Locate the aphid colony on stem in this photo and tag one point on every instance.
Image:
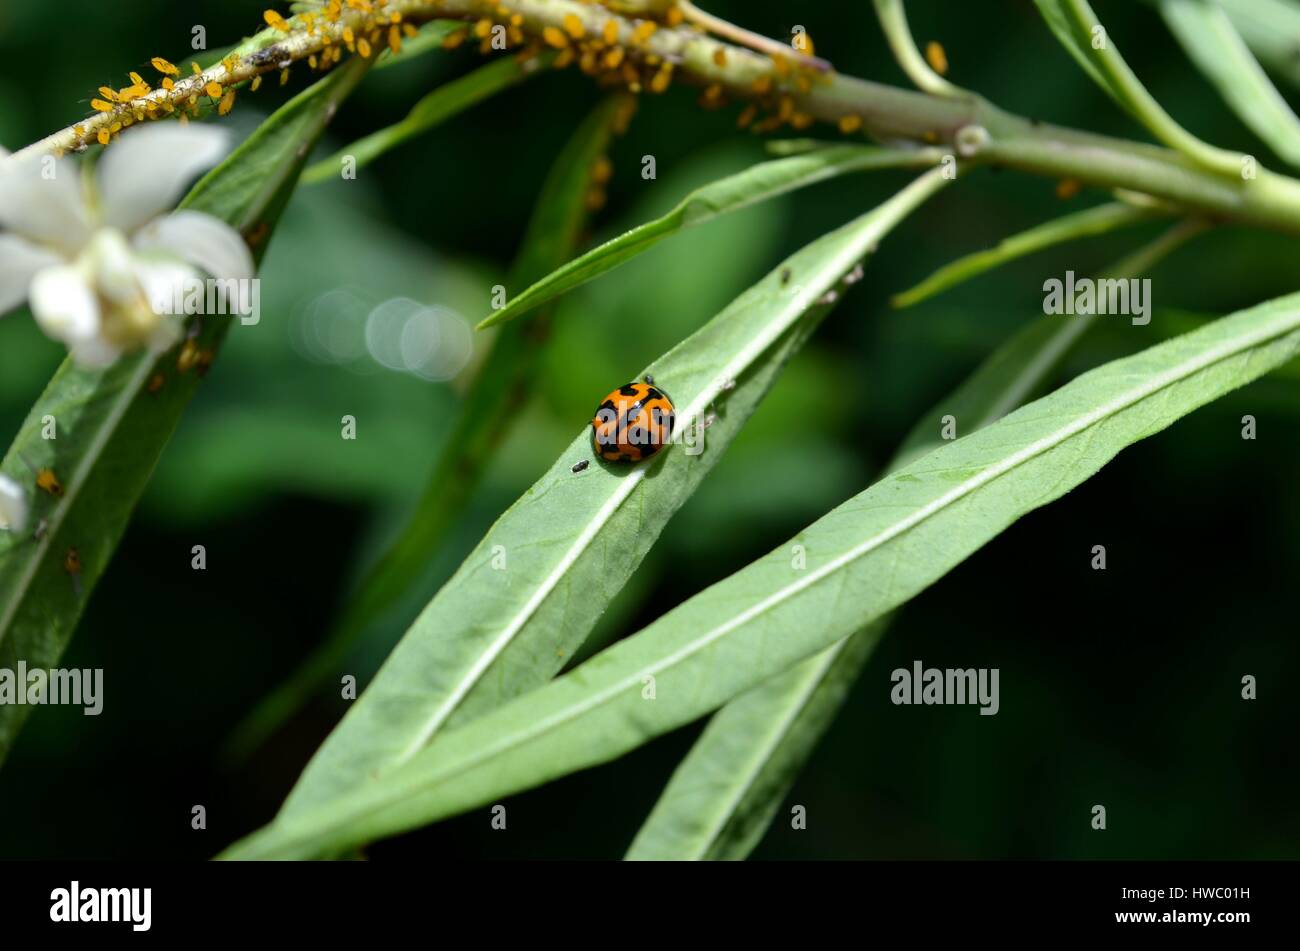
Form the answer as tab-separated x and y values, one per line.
613	48
361	27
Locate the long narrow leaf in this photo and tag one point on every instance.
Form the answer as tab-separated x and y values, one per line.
1214	45
763	181
527	596
724	794
1082	34
1271	28
111	429
1082	224
864	559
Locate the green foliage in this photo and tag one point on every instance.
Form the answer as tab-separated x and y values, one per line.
527	596
862	561
726	791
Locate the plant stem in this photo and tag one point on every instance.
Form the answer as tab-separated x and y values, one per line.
1268	200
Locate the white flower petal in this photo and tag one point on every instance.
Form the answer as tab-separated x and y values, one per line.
109	263
146	171
64	305
13	505
41	198
165	284
206	242
19	262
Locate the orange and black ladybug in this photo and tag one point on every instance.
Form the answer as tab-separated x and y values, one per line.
632	423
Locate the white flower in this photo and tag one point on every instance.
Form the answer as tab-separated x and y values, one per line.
13	505
92	255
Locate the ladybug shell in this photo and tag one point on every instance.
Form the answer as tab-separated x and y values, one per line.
632	423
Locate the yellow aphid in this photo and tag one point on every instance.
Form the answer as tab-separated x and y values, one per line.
850	124
674	16
196	69
256	85
936	57
453	40
115	128
1067	188
47	481
746	116
136	78
410	30
801	120
99	105
284	77
213	90
227	103
662	78
644	30
803	43
786	109
720	56
516	19
311	61
573	26
168	83
164	67
103	137
564	58
602	171
188	356
349	37
781	64
395	39
712	96
483	28
108	93
555	37
184	120
762	85
610	32
363	47
72	562
614	57
274	19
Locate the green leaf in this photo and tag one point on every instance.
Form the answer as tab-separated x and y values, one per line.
1271	28
111	429
434	109
492	403
723	795
1081	33
1088	223
763	181
527	596
1217	49
863	559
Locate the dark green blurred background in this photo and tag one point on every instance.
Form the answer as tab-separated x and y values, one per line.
1118	687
